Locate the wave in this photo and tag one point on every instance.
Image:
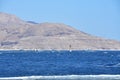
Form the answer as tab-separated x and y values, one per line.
113	65
65	77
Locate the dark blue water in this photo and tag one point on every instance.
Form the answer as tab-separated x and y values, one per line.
28	63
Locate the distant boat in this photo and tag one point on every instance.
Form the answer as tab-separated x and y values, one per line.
70	48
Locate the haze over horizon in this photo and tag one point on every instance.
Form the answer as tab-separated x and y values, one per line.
96	17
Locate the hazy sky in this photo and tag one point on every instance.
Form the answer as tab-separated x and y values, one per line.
97	17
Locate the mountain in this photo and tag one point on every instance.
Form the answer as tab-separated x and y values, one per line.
18	34
32	22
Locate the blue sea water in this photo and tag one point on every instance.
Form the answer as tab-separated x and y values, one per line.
60	65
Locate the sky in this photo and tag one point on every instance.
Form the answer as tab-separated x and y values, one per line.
96	17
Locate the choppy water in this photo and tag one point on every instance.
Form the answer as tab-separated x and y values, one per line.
60	65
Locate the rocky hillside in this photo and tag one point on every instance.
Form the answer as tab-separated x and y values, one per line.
18	34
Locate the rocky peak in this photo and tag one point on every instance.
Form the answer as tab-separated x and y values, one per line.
9	18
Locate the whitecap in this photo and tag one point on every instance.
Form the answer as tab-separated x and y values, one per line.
105	52
117	65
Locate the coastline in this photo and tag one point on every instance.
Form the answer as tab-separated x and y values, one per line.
59	49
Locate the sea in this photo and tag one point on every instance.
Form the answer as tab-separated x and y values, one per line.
59	65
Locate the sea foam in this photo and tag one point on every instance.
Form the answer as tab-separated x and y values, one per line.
66	77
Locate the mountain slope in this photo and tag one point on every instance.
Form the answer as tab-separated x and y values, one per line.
18	34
